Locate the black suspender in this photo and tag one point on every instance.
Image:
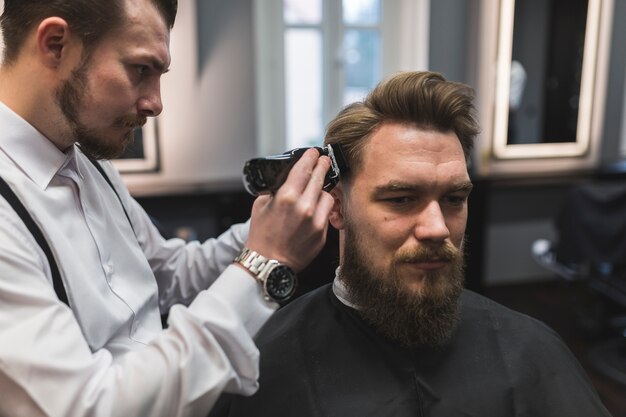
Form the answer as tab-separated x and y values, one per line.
106	177
19	208
21	211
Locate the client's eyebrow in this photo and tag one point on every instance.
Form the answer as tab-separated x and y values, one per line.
397	187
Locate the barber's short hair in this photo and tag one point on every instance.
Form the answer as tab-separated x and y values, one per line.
91	20
422	99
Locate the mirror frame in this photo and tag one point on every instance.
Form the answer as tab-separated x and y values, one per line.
495	40
150	161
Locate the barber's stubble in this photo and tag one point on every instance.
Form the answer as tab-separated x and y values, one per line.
71	97
408	318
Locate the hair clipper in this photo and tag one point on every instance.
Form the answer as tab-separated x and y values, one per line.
266	175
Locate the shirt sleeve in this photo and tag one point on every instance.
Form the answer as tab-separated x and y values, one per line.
47	368
182	269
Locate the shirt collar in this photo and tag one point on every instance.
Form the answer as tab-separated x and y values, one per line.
31	151
341	291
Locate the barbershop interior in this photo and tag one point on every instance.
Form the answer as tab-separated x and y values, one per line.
546	232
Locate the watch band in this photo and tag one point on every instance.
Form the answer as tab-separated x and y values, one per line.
278	281
257	264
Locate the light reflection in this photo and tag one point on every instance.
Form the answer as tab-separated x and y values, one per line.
297	12
303	78
361	12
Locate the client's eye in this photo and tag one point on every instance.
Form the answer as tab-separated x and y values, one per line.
455	200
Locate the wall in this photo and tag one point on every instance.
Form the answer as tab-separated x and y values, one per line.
449	41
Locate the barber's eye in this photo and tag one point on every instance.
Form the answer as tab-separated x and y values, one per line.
140	71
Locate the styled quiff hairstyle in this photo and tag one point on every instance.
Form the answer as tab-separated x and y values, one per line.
90	20
422	99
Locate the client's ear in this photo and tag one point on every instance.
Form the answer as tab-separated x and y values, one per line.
337	212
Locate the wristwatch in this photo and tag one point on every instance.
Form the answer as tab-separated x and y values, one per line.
278	280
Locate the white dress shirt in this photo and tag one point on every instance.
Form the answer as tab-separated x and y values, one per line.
108	355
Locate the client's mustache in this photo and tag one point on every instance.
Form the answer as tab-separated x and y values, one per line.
131	121
445	252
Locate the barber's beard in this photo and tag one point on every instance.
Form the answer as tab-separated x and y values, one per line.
70	96
407	317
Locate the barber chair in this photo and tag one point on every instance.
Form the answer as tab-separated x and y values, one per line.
590	249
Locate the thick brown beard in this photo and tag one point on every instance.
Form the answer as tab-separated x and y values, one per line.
408	318
70	97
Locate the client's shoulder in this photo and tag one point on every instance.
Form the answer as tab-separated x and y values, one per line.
299	314
514	326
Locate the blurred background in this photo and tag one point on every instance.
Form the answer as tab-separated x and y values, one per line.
547	227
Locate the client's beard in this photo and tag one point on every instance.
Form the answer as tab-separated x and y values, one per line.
409	318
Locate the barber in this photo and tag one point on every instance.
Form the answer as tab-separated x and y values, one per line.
84	274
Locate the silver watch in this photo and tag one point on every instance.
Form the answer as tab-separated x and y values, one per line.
279	281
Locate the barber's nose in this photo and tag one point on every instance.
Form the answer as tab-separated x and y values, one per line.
150	104
431	223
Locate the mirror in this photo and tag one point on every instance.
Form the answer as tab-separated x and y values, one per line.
546	68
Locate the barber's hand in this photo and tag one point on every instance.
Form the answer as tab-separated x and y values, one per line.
291	225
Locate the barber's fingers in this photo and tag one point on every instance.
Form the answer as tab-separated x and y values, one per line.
326	204
303	189
261	201
300	174
318	201
291	225
316	180
322	214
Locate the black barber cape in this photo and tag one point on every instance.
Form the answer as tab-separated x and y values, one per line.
319	359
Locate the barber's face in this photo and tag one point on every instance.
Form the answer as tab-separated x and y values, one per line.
118	87
403	220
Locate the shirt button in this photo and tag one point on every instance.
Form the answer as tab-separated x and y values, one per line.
108	268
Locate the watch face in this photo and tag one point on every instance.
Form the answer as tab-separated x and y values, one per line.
281	283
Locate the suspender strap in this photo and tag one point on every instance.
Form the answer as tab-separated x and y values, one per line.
21	211
19	208
108	180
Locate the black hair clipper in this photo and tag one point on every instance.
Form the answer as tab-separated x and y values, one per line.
266	175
